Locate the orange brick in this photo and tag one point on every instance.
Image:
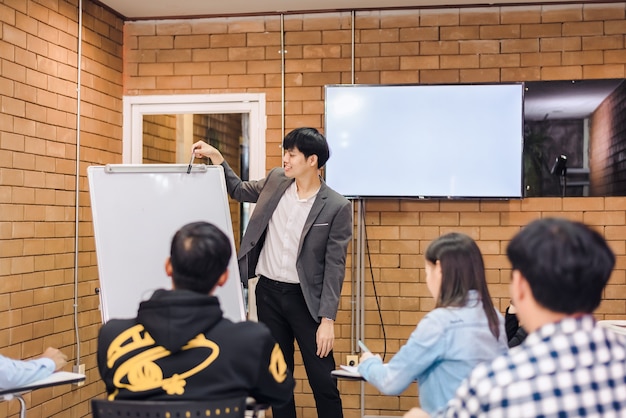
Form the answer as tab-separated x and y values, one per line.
561	73
605	217
155	42
540	59
603	11
613	57
399	19
246	81
439	17
304	65
367	50
399	49
614	27
583	28
321	51
439	48
500	32
582	58
541	30
419	34
479	47
459	33
499	61
602	42
189	41
479	16
166	55
439	76
521	14
520	45
560	44
560	13
480	75
177	28
303	38
458	61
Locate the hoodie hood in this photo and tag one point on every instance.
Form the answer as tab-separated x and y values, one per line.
173	317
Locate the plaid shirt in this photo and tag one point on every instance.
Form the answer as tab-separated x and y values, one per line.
571	368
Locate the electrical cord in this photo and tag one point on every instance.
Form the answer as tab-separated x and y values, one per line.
369	260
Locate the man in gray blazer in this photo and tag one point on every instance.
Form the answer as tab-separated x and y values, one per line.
296	242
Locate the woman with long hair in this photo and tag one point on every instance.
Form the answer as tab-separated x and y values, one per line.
462	331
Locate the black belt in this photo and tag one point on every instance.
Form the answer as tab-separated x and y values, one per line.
279	285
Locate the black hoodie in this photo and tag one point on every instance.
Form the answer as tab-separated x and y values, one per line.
181	347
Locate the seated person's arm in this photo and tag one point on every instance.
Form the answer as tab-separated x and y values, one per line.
15	373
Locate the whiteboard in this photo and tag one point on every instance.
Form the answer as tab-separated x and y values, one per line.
137	209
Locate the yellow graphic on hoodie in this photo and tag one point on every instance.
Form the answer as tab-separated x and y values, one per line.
141	372
278	366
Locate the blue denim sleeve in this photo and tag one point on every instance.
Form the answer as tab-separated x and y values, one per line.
424	347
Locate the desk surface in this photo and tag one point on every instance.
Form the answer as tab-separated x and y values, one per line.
58	378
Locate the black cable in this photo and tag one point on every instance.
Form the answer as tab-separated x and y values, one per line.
369	259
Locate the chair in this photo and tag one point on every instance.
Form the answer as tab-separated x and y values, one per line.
222	408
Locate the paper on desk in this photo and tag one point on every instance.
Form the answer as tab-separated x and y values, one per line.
349	372
350	369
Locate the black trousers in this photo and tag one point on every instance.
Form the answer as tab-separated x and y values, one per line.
282	308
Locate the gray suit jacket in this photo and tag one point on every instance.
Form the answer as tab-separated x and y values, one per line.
321	262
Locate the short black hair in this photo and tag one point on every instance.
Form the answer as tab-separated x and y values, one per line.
309	142
199	255
566	263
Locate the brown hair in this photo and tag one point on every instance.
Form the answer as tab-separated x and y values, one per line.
462	269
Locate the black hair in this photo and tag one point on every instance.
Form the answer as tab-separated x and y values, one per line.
199	255
566	263
462	269
309	142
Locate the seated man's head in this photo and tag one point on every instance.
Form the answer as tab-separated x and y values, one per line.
563	264
199	258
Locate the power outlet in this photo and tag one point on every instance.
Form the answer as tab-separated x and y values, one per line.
81	370
352	360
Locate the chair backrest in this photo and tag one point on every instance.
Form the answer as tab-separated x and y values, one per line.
222	408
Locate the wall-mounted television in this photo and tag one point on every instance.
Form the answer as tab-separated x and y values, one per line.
425	141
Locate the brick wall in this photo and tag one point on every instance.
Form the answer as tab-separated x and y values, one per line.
608	146
500	44
159	139
38	149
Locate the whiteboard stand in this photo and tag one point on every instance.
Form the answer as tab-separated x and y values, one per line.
137	209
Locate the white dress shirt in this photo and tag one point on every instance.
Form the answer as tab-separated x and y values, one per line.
277	260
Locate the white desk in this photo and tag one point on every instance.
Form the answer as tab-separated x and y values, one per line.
56	379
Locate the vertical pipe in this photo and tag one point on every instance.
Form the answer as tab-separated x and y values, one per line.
353	290
282	75
361	273
353	42
77	174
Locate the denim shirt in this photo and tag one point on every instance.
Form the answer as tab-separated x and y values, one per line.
442	351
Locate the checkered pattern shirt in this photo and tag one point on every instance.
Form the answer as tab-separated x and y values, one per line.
573	368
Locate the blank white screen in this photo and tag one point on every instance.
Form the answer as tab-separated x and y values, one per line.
425	141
